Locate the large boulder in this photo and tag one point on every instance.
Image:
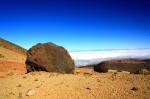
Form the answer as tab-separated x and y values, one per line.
101	67
130	65
49	57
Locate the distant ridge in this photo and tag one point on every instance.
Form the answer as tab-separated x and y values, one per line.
13	47
108	50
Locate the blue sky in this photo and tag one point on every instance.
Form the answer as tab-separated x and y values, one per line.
77	24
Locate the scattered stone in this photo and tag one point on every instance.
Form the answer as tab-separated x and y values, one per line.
39	86
14	68
30	92
36	79
1	56
135	89
10	94
144	72
77	71
24	77
19	85
67	85
20	96
85	73
112	71
49	57
125	72
88	88
148	87
10	74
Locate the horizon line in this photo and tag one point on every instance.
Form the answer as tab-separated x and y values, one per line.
109	49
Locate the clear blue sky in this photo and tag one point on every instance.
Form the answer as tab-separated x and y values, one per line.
77	24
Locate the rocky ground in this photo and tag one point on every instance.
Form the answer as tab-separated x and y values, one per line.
83	84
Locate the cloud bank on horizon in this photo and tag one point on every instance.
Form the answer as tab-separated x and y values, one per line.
83	58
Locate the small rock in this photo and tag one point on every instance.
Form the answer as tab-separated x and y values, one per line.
39	86
30	92
10	94
19	85
88	88
24	77
144	72
87	74
67	85
77	71
135	89
36	79
20	96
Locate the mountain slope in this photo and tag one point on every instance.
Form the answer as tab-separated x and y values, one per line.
12	52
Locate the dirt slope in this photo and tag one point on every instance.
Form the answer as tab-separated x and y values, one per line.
11	56
13	47
11	52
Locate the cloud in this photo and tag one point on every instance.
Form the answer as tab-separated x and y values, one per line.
83	58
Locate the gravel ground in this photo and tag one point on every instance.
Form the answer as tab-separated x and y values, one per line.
84	84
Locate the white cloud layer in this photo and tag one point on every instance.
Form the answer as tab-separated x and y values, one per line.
83	58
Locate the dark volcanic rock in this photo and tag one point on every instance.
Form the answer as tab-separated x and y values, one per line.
101	67
131	65
144	72
49	57
146	60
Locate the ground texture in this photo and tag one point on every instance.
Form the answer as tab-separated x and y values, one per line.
83	84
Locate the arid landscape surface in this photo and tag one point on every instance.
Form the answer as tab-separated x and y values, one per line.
12	52
85	83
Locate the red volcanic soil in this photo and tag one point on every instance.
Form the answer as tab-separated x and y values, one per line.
18	67
83	84
130	60
6	66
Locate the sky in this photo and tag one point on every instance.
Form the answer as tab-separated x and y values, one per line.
77	24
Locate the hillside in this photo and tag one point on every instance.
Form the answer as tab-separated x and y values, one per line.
12	52
85	83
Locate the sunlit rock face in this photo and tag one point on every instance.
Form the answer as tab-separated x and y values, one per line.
49	57
131	65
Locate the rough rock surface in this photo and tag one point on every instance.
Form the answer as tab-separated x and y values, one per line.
30	92
144	72
131	65
49	57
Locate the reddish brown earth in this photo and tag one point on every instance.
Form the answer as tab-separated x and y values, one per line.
6	66
130	60
83	84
